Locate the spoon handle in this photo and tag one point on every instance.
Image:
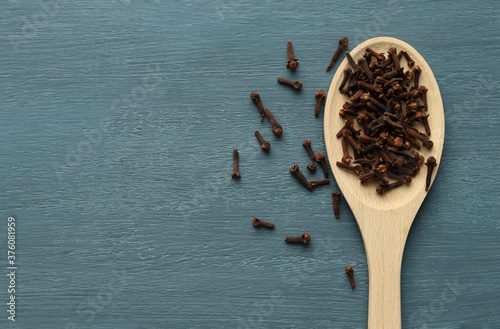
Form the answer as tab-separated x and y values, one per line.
384	303
384	235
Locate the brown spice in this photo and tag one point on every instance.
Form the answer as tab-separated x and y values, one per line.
320	158
260	223
423	91
381	189
235	173
387	103
256	98
304	238
292	62
346	158
336	208
350	272
320	96
311	166
275	126
295	171
347	75
315	183
431	163
265	145
355	169
307	144
416	73
410	61
342	45
351	62
294	84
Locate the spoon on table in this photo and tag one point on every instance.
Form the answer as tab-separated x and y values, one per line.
384	220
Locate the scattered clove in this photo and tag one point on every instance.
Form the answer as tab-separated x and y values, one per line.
256	98
295	171
311	166
304	238
431	163
350	272
235	173
260	223
342	45
292	62
320	158
336	208
294	84
320	96
265	145
307	144
275	126
315	183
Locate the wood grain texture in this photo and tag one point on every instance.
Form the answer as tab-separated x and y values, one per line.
384	221
118	121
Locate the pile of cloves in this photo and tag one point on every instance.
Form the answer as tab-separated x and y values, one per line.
387	102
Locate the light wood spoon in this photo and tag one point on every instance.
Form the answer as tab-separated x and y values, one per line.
384	220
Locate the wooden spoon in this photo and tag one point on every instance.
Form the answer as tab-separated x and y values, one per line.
384	220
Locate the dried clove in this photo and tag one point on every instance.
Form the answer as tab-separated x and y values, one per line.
379	57
307	144
426	124
423	91
351	61
410	61
346	158
347	75
260	223
320	158
342	45
235	173
294	84
336	208
400	178
304	238
431	163
424	139
355	169
320	96
364	67
392	52
295	171
292	62
381	189
265	145
311	166
275	126
350	272
315	183
256	98
416	73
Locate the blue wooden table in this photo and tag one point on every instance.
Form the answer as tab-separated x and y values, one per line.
118	121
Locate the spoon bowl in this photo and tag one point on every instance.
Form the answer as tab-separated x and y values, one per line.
384	220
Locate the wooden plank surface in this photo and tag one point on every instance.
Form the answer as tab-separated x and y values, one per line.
118	121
